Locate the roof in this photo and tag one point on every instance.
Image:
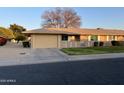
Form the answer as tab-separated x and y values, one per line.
48	31
76	31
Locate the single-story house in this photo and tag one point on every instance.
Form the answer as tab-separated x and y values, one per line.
72	37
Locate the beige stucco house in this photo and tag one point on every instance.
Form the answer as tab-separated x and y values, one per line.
72	37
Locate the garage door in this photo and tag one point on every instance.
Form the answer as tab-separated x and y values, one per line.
44	41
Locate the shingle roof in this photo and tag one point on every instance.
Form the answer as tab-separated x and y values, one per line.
76	31
91	31
48	31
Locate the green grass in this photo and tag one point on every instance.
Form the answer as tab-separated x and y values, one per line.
93	50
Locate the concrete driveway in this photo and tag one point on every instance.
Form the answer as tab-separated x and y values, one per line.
20	56
15	54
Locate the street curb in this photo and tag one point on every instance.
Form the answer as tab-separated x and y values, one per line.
96	56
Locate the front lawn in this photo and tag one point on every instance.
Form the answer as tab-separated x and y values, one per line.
93	50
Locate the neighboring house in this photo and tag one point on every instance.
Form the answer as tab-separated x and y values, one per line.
72	37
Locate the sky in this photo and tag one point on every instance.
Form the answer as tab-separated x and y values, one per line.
91	17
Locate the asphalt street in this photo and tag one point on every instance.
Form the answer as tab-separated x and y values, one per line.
89	72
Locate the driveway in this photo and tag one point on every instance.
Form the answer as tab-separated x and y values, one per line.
14	54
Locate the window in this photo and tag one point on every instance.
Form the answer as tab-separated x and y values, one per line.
65	37
77	38
94	38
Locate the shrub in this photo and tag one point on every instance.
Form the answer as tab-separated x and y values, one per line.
20	38
115	43
101	43
121	43
96	44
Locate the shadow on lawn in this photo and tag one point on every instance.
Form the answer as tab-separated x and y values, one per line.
92	72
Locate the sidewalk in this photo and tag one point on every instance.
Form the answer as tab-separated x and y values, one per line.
96	56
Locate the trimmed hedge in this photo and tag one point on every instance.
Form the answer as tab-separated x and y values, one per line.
101	43
121	43
96	44
117	43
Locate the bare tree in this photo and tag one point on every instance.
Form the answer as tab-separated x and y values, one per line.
61	18
52	18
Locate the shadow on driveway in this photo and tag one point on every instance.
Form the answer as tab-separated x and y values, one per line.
90	72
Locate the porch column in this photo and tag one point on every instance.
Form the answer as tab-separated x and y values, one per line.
89	38
116	38
98	38
107	38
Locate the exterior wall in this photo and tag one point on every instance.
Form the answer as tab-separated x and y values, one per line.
103	38
110	38
45	41
55	41
88	38
84	37
120	38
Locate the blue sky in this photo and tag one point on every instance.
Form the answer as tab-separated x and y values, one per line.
30	17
